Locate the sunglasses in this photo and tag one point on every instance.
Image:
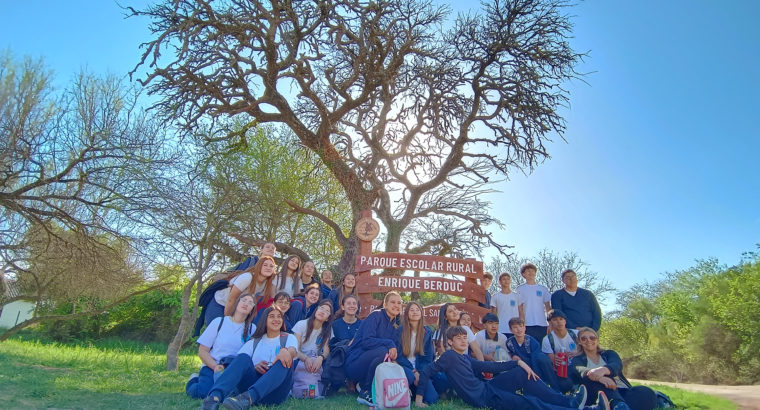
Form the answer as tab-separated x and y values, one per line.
588	338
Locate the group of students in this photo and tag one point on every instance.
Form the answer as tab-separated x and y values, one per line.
271	335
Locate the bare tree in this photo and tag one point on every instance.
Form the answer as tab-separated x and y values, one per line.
74	167
403	112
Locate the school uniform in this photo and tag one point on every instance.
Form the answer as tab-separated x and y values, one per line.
223	341
498	393
534	298
376	335
326	290
334	298
530	352
298	310
270	388
637	397
419	362
343	330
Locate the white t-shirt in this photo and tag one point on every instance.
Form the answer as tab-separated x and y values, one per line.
241	282
565	344
267	348
288	286
413	357
506	305
310	346
534	297
488	346
227	342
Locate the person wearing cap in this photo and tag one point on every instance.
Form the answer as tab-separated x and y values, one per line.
580	305
492	343
560	339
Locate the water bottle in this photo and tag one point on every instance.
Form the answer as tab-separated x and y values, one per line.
562	366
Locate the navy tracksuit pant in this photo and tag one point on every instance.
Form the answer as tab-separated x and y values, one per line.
361	369
198	387
536	394
270	388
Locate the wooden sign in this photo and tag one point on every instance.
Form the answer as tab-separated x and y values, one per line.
385	283
427	263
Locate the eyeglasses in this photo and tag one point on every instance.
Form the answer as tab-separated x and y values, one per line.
588	338
282	302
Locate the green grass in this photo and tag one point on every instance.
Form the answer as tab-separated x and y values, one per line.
126	375
692	400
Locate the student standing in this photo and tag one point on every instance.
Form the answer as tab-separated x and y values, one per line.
505	303
221	340
417	350
378	335
534	302
486	281
579	304
262	371
499	393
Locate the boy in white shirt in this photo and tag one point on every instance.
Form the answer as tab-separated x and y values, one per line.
535	301
492	343
561	339
505	304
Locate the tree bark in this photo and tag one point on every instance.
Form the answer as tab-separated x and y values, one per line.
185	323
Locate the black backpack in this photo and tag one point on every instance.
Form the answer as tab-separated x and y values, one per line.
206	297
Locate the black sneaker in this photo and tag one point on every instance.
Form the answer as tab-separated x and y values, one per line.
579	398
210	403
240	402
365	398
601	403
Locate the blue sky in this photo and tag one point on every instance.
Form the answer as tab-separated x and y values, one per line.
659	168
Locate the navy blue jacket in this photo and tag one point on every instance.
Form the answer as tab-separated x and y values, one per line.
612	362
335	295
422	360
581	309
377	330
461	370
299	311
344	331
528	352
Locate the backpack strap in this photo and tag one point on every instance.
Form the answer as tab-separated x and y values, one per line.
573	336
220	326
283	339
551	341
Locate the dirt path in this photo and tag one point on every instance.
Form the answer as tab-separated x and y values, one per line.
746	397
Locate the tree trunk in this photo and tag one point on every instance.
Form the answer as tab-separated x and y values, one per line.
185	324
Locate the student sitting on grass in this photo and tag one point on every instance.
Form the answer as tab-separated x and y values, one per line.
465	320
560	339
347	287
256	281
492	343
417	349
302	306
281	302
602	370
379	335
289	277
346	325
449	316
262	371
313	335
499	393
220	342
525	347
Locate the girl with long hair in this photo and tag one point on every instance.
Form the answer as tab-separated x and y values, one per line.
417	350
289	276
449	316
313	335
302	306
602	370
378	335
262	370
256	280
307	276
347	287
281	302
220	342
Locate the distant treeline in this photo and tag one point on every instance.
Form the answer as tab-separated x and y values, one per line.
698	325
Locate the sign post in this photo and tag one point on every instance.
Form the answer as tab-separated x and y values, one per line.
470	289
